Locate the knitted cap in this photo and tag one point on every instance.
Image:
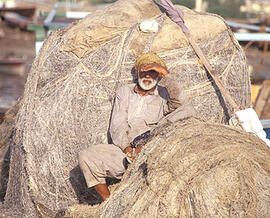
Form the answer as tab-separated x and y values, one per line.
149	58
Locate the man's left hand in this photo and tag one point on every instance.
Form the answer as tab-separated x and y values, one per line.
133	153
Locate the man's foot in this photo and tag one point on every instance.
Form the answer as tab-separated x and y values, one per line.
103	191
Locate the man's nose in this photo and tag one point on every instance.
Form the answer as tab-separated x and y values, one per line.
147	76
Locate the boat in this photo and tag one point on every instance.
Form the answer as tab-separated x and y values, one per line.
23	11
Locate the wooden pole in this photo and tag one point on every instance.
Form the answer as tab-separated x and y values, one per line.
173	12
209	68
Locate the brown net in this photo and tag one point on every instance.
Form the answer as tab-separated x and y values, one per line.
192	169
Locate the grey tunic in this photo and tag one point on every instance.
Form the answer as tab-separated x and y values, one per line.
133	114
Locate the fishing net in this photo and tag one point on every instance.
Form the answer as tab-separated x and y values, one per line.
70	90
192	169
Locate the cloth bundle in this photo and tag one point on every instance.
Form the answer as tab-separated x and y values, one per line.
250	122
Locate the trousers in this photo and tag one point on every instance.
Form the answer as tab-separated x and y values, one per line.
101	161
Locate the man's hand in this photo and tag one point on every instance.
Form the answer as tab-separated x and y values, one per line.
156	67
127	149
130	149
132	153
138	150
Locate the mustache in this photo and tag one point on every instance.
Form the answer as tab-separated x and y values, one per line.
148	79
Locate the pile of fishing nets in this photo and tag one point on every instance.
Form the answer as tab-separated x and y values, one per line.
69	94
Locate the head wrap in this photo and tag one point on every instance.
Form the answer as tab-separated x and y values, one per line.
149	58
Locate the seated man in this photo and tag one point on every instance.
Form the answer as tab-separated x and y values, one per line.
138	108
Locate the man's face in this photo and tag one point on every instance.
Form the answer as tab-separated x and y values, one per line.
148	79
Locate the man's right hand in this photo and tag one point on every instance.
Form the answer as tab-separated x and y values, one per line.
129	149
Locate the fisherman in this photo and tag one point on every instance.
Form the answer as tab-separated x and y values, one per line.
137	109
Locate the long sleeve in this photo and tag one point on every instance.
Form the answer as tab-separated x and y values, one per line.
119	120
178	104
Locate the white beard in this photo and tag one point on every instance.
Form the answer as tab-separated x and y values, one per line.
149	86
